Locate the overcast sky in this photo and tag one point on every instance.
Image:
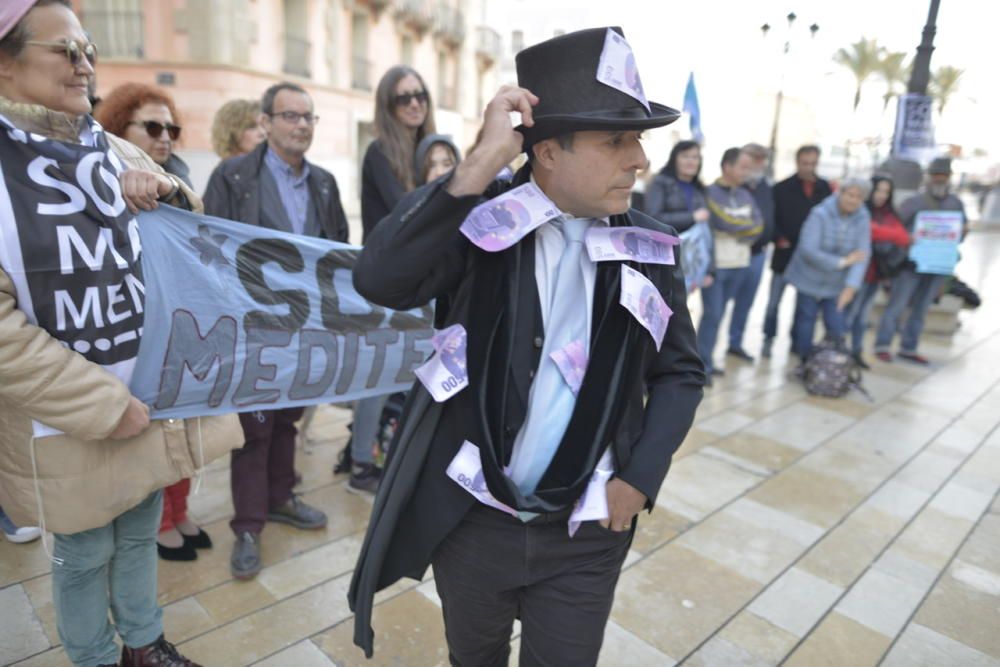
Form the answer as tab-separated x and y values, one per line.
737	70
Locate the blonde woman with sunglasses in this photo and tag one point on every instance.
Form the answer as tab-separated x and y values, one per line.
78	453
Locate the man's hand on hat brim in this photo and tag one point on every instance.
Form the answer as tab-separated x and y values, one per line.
500	143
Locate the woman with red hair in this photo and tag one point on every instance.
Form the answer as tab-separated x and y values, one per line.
146	116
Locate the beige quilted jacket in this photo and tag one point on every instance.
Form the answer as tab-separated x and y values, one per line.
83	479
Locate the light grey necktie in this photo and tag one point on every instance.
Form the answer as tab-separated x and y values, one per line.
551	401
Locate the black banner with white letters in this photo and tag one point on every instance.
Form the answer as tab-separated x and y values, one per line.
70	244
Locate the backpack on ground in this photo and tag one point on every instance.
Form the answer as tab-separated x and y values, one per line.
831	371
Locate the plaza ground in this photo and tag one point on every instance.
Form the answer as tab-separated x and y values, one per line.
791	530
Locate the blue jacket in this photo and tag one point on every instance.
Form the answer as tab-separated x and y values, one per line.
827	237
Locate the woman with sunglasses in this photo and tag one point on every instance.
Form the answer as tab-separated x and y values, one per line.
145	116
403	117
80	455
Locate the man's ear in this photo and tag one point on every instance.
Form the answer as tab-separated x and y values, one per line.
545	153
265	122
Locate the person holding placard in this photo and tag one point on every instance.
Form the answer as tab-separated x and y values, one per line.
937	222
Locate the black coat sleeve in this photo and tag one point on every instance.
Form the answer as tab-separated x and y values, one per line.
338	218
381	191
416	253
674	381
217	198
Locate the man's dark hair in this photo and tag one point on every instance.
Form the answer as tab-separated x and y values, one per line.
564	140
267	100
808	148
14	41
730	156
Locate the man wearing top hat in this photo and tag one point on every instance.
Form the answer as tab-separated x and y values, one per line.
539	444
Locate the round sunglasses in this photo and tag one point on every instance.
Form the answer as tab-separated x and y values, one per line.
404	99
73	50
155	129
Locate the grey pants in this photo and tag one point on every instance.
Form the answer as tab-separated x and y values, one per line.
493	568
108	568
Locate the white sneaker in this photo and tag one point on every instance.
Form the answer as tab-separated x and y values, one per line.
18	535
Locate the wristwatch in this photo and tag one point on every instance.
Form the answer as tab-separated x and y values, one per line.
174	190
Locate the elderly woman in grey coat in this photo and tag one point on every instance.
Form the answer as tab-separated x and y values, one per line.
829	262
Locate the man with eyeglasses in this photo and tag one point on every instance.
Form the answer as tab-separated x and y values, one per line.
274	186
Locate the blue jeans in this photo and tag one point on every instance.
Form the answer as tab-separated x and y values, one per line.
916	290
806	309
778	284
714	300
857	315
743	301
111	567
367	413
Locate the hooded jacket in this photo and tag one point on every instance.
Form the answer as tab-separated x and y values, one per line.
827	237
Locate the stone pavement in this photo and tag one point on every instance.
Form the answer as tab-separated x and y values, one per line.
791	530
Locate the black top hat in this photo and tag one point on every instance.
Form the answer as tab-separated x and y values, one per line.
562	72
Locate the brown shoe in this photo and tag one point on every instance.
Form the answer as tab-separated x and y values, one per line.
160	653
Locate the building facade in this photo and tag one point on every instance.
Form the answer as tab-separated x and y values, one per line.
205	53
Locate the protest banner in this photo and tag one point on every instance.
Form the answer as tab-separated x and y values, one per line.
936	235
241	318
696	255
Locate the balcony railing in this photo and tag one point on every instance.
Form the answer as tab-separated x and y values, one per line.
449	23
361	69
118	34
297	53
415	13
488	45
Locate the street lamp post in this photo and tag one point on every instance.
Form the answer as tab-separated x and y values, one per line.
906	172
780	95
921	73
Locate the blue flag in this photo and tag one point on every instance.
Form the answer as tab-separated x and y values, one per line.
692	110
241	318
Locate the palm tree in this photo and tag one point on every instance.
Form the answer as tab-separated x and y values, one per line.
892	71
862	58
944	83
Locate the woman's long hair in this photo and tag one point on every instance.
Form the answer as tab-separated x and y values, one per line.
670	169
888	202
393	138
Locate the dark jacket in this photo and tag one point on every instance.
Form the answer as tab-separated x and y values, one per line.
179	168
237	190
763	194
924	201
380	189
665	201
417	254
791	207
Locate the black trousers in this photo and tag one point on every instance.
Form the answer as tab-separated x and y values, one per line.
493	568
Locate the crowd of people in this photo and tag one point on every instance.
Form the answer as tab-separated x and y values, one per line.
836	247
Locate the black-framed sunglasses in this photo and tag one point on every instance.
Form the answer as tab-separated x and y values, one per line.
404	99
155	128
72	49
293	117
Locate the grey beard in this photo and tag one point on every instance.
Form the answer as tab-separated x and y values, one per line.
938	191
